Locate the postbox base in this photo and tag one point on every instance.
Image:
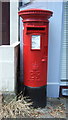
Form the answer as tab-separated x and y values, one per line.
37	95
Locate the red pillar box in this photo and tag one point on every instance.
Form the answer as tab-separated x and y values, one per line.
35	55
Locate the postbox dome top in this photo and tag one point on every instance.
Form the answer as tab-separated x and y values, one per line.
35	14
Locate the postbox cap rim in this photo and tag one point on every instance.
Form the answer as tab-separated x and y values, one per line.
34	10
35	14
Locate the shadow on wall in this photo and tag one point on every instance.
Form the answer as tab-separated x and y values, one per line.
19	87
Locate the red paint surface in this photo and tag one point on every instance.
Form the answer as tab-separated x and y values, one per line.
35	61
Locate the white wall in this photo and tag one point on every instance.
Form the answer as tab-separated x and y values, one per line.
9	53
54	48
8	67
13	22
54	44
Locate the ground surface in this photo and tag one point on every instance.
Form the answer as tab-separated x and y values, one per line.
56	108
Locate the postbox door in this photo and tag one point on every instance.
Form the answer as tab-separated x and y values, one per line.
35	60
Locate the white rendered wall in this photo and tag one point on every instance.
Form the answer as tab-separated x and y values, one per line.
8	67
13	22
9	54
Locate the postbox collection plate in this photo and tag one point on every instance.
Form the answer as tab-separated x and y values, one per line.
35	44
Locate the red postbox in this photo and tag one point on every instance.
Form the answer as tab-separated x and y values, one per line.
35	51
